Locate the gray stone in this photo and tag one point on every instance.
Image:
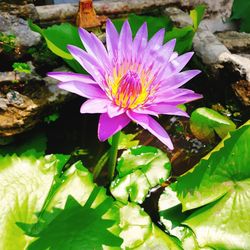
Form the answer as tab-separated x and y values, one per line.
3	103
217	57
58	12
236	42
19	27
14	98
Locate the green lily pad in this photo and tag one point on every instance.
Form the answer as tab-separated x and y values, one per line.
205	122
140	169
34	191
125	141
219	186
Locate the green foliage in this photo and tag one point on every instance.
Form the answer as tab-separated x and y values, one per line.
51	118
75	227
57	38
139	169
184	36
240	12
138	231
126	141
215	197
7	42
154	23
30	185
45	208
197	15
205	122
21	67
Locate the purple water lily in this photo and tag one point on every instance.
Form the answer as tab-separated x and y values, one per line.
133	80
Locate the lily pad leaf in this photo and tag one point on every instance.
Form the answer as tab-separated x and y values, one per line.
205	123
138	232
125	141
139	169
35	191
219	186
76	227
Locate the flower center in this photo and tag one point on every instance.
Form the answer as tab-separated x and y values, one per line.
129	90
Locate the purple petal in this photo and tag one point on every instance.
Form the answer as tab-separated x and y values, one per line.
125	43
152	126
109	126
95	106
163	108
140	42
95	48
165	52
114	110
82	89
177	64
153	45
176	96
88	62
112	38
145	110
156	41
178	79
68	76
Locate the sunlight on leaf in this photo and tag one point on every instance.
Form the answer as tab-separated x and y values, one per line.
216	194
140	169
205	122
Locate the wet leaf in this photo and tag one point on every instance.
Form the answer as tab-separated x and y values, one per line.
205	122
139	169
219	186
138	231
126	141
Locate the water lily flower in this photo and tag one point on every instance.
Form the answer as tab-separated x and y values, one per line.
131	80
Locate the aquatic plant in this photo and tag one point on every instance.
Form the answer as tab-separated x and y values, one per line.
130	81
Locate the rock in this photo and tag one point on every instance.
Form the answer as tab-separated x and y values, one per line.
23	9
18	27
236	42
14	98
3	103
22	111
242	90
59	12
225	67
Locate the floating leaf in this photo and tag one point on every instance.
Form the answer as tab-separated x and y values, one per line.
219	186
76	227
126	141
138	231
205	122
34	191
140	168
